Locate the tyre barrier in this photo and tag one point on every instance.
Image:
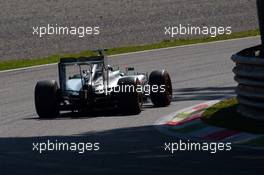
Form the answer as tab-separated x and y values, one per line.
249	74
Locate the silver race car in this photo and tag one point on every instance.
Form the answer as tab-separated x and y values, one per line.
86	83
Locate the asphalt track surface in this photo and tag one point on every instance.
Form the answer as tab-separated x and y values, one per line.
121	22
127	143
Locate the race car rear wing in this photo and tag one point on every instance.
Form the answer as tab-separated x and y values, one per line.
81	60
64	62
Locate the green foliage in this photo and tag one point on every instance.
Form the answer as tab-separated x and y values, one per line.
224	114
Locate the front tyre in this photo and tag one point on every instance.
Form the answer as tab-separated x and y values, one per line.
46	99
161	88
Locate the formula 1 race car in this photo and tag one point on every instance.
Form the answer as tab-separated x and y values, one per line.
88	82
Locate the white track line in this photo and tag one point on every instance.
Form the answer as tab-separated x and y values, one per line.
144	51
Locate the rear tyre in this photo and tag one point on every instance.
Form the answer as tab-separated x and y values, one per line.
129	100
46	99
161	88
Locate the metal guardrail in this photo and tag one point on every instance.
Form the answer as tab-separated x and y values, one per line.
249	73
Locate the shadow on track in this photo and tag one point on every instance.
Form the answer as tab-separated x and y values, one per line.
122	151
109	112
202	93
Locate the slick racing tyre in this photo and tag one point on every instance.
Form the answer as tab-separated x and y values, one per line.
46	99
129	101
161	88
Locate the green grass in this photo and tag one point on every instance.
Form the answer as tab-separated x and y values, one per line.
19	63
224	114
